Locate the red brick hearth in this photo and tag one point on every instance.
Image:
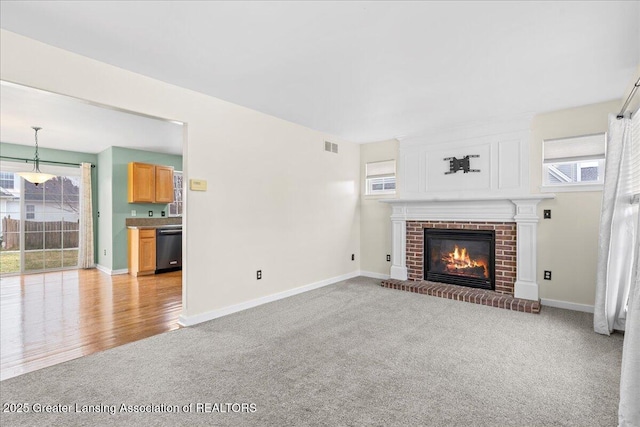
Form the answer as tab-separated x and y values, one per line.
505	268
462	293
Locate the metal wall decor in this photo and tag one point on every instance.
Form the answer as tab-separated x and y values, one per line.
460	164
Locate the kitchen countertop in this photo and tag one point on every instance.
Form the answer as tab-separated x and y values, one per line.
153	227
142	223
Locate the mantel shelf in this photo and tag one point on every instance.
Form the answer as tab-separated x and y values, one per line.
446	198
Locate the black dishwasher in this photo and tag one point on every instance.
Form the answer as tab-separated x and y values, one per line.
168	249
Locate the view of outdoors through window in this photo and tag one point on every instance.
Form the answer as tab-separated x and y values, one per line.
573	172
40	224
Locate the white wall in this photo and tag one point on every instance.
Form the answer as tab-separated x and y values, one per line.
276	201
375	217
568	242
104	229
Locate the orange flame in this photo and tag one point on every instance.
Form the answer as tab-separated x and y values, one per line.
459	260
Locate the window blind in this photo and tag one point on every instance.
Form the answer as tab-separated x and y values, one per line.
380	169
588	147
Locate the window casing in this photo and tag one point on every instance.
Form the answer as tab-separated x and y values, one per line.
175	208
380	177
574	164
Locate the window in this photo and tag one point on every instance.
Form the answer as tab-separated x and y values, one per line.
381	177
574	163
30	211
7	180
175	208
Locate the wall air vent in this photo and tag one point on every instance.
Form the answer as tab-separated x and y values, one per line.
330	147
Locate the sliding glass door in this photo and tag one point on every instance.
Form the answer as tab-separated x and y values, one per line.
40	223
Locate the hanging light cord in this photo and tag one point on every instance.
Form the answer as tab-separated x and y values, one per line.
36	159
626	103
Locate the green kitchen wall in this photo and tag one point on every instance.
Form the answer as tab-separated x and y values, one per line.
121	209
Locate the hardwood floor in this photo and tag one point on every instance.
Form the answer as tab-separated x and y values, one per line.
54	317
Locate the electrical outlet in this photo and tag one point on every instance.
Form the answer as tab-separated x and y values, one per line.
547	214
98	214
547	275
134	213
388	258
150	213
105	251
163	213
258	274
353	257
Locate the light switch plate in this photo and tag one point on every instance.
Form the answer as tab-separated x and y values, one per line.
198	185
133	213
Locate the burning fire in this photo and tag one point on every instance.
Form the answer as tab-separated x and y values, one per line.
459	260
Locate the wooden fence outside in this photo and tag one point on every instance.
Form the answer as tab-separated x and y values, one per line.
40	235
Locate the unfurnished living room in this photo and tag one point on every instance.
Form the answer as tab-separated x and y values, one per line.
324	213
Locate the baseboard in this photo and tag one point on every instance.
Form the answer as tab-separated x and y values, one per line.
214	314
374	275
111	272
566	305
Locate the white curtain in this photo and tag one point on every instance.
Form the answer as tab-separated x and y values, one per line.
618	271
629	409
85	252
618	237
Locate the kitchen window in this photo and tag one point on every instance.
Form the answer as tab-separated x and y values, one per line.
175	208
574	164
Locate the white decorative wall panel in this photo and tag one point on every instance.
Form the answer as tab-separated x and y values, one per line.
509	165
410	172
503	163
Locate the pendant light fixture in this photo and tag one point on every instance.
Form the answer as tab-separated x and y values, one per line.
35	176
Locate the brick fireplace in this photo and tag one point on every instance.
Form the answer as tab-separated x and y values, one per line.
505	249
514	224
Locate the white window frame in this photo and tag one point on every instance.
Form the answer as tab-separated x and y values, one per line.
178	197
387	177
548	166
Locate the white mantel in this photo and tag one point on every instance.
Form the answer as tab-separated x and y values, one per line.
520	209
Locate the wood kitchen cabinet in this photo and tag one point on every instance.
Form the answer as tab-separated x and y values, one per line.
150	183
142	251
164	184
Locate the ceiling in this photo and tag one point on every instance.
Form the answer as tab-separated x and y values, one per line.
70	124
364	71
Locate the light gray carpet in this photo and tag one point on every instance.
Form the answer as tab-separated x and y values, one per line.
348	354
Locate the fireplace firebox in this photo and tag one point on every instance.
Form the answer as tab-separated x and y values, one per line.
460	257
